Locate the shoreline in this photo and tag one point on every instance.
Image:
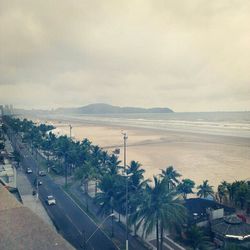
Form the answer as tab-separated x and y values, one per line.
194	155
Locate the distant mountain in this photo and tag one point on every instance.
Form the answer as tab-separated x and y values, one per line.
101	108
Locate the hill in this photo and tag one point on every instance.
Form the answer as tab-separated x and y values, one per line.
101	108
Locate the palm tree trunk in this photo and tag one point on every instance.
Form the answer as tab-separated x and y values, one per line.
66	175
87	203
157	235
112	224
135	231
95	186
86	193
161	246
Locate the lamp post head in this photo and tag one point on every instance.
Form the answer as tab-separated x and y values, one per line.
124	135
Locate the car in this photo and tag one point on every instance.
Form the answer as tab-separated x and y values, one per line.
41	173
51	200
28	170
38	182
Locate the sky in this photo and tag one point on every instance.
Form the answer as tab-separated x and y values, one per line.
186	55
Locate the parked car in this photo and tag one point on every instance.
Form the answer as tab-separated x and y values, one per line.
28	170
42	173
51	200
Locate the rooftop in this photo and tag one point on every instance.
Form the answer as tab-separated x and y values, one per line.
23	229
231	227
197	208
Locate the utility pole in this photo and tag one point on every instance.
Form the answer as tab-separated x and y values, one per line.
70	128
84	239
125	137
37	172
66	171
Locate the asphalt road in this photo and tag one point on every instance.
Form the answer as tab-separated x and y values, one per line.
70	220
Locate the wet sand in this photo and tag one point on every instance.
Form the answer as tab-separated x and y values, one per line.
195	156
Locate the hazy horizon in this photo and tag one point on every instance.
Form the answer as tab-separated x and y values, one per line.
78	106
189	56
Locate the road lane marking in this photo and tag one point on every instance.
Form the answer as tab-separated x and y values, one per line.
66	215
89	217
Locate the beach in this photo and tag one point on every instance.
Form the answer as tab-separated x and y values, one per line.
196	156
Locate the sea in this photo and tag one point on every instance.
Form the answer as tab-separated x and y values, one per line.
213	123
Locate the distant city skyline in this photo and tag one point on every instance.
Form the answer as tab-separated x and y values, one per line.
183	55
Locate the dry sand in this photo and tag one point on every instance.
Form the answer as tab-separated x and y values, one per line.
195	156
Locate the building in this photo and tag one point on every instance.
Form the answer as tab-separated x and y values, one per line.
231	229
24	230
201	211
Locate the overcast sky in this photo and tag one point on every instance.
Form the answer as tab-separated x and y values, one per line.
186	55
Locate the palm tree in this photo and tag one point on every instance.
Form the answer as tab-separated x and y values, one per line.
17	157
2	146
136	184
205	189
222	191
185	187
136	174
108	196
197	239
170	175
161	209
112	167
241	194
62	147
84	174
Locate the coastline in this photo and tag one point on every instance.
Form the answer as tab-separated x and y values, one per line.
196	156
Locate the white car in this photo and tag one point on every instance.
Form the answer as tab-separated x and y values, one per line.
51	200
28	170
42	173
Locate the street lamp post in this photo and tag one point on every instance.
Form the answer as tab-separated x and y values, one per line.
70	128
125	137
66	165
37	173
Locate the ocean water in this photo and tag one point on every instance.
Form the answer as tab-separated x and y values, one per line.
214	123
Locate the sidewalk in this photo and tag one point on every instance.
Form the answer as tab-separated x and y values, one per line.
30	201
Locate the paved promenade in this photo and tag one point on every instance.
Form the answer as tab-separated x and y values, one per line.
30	201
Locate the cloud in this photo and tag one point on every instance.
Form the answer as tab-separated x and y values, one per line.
188	55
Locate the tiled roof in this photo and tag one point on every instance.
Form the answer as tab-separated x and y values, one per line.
22	229
199	205
230	226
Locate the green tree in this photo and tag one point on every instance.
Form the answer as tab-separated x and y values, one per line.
108	196
222	191
197	238
204	190
113	166
185	187
17	157
161	209
170	176
136	185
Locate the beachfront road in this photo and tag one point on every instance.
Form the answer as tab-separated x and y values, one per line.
70	220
